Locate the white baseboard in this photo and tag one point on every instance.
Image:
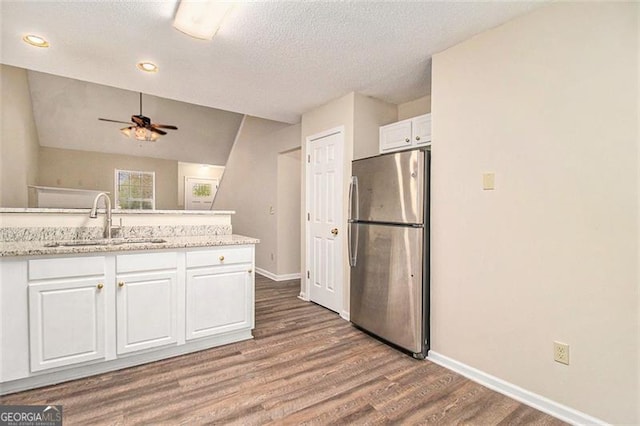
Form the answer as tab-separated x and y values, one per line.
345	315
536	401
275	277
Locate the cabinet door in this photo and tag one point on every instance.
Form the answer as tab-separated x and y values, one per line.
219	300
146	310
395	136
66	322
422	129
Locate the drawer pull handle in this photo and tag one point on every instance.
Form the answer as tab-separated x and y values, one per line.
121	284
100	286
221	258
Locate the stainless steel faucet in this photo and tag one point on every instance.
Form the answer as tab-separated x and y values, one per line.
94	213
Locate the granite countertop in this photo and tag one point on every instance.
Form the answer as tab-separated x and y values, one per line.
39	248
116	211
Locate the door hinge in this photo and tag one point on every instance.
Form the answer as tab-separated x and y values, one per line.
309	158
308	274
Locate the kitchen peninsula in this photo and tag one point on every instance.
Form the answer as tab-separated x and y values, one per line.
75	304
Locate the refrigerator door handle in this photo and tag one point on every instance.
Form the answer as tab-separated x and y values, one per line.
353	231
353	208
353	199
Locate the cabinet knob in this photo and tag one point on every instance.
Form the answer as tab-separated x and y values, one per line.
221	258
100	286
407	140
417	138
250	271
334	231
120	283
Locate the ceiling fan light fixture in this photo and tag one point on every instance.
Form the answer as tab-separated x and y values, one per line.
35	40
147	66
201	19
140	134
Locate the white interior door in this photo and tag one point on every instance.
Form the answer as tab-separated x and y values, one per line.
325	224
199	192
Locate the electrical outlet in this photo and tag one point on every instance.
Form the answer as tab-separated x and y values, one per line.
561	352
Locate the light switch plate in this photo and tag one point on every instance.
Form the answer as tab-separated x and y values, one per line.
488	181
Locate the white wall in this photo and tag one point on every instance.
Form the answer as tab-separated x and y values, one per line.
18	138
549	102
250	183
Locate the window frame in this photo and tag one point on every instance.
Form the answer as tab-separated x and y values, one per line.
116	187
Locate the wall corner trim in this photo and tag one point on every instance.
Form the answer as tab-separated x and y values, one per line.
276	277
536	401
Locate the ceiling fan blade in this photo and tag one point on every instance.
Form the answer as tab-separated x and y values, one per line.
165	126
158	131
114	121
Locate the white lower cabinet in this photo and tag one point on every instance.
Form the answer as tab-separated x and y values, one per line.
75	315
66	322
219	300
219	291
67	309
146	301
146	311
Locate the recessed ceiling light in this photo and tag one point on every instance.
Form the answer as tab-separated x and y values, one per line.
35	40
147	66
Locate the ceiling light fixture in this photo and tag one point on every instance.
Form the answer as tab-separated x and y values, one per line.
35	40
147	66
201	19
140	133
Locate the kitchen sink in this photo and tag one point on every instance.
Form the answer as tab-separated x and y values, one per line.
104	242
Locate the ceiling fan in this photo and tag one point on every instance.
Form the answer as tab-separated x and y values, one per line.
142	129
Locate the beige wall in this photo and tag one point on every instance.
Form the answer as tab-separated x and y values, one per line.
413	108
369	115
18	138
93	170
288	213
549	102
207	171
250	183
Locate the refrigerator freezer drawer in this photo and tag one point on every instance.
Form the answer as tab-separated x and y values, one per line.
387	284
389	188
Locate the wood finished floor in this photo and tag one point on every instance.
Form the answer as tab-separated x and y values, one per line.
305	366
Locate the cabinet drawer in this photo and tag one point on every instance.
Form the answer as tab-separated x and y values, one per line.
219	256
40	269
146	262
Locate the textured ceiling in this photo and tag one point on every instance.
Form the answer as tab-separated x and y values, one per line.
269	59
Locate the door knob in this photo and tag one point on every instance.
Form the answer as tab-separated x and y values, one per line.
334	231
100	286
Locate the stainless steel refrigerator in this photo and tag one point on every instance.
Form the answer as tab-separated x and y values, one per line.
389	248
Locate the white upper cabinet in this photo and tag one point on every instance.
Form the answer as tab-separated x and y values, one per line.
406	134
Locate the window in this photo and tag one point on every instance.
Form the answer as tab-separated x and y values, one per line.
135	190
